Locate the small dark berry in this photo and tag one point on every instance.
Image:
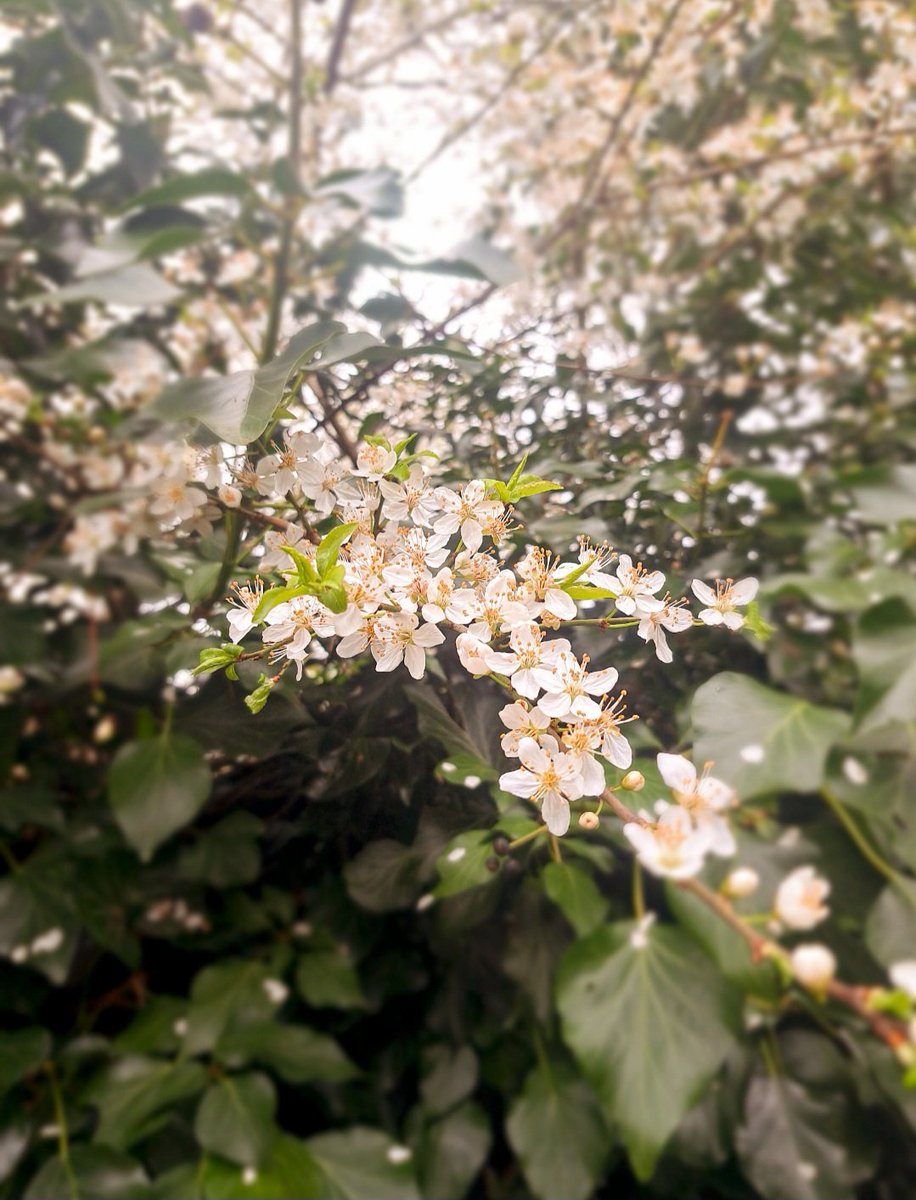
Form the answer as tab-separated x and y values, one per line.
512	866
501	846
197	19
492	863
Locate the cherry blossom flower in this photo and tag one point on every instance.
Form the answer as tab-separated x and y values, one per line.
542	586
521	722
547	777
411	500
800	899
399	637
671	846
527	650
175	499
722	603
635	588
241	616
652	628
696	793
569	687
468	511
290	625
496	610
374	461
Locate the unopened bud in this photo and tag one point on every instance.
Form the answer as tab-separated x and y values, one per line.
741	882
813	965
633	781
589	820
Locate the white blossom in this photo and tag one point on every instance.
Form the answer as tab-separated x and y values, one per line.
800	899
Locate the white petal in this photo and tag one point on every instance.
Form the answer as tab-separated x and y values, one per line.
703	592
679	774
519	783
555	811
744	591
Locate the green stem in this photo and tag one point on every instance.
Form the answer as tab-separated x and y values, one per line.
639	899
868	851
63	1134
520	841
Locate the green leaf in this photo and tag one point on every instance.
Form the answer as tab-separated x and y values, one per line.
213	658
649	1020
135	285
279	595
462	864
21	1053
796	1144
226	996
156	787
575	894
360	1162
328	979
294	1052
585	591
885	495
95	1171
452	1151
329	547
235	1118
38	921
556	1128
211	181
378	190
289	1171
239	407
891	921
256	699
136	1095
450	1076
384	876
227	855
761	740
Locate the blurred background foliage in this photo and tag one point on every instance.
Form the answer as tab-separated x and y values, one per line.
238	959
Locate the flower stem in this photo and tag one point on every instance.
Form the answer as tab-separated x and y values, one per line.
868	851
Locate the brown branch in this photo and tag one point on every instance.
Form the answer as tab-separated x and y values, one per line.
851	996
294	153
341	29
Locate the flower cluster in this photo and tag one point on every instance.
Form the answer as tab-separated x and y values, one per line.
676	841
412	560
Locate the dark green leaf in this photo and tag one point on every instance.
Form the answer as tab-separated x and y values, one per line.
156	787
235	1118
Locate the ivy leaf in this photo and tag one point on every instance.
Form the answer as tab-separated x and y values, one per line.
98	1171
136	1094
796	1144
21	1053
576	895
761	740
156	787
328	979
891	921
239	407
294	1052
226	996
462	864
235	1118
362	1162
451	1151
556	1129
649	1020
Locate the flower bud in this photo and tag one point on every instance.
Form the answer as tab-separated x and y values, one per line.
800	899
741	882
633	781
589	820
813	965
